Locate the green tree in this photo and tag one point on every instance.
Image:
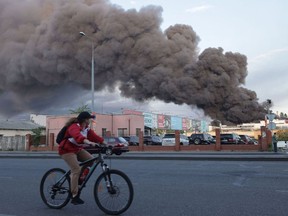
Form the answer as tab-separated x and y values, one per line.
36	135
282	135
283	115
80	109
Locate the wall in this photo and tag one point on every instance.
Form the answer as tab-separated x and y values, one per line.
131	122
178	147
109	121
54	125
13	143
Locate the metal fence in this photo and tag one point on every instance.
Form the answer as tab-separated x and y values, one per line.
12	143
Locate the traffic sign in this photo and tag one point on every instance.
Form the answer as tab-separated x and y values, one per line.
271	126
270	116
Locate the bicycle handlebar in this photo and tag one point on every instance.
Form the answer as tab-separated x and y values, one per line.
97	148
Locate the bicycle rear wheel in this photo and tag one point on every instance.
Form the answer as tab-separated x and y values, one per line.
115	198
54	193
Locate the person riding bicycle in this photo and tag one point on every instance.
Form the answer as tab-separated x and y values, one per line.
71	148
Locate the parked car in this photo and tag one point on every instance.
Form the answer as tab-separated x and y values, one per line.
282	145
169	140
255	141
230	138
247	140
201	138
132	140
152	140
116	145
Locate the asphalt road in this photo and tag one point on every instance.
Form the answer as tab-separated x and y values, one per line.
162	188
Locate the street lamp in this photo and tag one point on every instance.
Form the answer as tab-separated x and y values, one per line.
92	68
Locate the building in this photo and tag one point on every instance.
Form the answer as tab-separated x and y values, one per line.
251	129
161	122
16	128
104	124
13	134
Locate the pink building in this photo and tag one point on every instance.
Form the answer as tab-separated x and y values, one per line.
114	124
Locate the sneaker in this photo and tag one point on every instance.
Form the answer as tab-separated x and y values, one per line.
77	201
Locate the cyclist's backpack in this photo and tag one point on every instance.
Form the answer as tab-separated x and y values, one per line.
61	135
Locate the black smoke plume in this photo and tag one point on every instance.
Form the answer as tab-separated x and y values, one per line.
45	62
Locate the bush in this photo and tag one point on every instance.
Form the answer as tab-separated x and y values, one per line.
282	135
36	136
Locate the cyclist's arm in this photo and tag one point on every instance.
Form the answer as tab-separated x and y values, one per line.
75	133
92	136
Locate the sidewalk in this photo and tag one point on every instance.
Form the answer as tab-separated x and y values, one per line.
183	155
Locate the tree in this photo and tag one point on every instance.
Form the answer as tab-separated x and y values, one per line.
282	135
283	115
36	135
80	109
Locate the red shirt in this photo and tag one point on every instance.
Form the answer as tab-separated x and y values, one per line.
74	131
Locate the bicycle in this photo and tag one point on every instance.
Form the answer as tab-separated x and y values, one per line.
113	190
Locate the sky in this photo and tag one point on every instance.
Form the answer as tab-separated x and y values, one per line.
255	28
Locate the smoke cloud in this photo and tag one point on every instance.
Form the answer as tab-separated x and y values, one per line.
45	62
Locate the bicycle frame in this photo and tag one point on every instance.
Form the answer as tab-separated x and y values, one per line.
98	160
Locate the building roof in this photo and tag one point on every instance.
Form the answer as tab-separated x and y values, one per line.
17	125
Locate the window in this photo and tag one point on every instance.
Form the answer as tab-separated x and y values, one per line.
121	131
138	130
104	130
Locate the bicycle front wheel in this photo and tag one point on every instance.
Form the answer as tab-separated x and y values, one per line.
115	195
55	188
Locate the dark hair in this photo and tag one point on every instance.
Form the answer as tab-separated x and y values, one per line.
71	121
77	119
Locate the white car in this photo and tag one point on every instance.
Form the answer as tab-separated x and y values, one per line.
282	145
169	140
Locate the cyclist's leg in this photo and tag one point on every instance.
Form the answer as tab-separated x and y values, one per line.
84	155
71	160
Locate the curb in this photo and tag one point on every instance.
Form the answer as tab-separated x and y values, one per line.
204	156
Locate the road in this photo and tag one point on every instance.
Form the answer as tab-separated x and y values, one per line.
162	188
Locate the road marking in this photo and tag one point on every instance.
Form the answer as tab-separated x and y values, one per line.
6	215
5	177
239	181
282	191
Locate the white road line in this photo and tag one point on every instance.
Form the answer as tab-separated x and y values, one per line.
281	191
5	177
6	215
